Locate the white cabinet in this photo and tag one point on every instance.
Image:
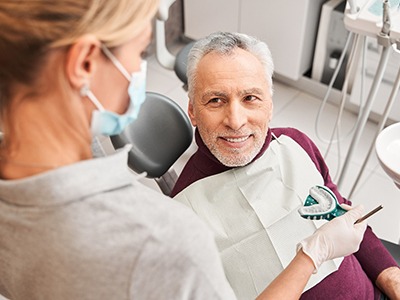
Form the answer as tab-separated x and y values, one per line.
202	17
289	27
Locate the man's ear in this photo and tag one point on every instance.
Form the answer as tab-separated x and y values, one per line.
271	114
81	61
191	113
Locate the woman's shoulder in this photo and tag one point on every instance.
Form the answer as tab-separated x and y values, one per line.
165	219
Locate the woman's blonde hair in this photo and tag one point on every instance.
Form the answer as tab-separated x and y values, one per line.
29	28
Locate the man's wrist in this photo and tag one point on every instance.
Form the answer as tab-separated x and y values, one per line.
388	282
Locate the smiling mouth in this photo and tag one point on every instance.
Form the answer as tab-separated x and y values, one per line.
236	140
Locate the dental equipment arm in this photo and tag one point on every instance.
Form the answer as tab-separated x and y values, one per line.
384	39
365	112
353	6
386	18
164	57
384	34
381	125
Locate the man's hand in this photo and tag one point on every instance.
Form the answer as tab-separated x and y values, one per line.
388	282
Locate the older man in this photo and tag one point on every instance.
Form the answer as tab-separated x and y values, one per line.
247	180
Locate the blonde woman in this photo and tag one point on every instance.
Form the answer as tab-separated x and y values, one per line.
75	227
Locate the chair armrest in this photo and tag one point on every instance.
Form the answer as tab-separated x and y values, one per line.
393	248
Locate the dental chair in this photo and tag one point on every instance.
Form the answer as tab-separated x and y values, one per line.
162	122
159	136
164	56
162	132
394	249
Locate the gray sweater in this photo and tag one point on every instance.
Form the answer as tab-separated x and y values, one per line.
92	231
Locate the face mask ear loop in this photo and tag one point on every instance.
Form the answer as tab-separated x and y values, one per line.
116	62
86	92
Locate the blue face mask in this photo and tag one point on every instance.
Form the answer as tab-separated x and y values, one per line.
107	122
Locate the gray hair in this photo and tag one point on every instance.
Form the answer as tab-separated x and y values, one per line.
225	43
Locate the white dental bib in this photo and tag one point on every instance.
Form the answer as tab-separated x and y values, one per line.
252	211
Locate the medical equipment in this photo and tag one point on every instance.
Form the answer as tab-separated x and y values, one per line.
164	56
353	6
374	18
330	44
321	203
381	124
387	148
362	20
357	43
336	50
372	212
365	112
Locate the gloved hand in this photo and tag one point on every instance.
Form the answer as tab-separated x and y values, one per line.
337	238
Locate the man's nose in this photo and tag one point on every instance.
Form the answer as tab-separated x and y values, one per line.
235	115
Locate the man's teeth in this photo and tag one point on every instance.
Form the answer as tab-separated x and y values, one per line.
237	140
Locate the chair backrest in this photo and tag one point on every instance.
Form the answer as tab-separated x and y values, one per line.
159	136
180	66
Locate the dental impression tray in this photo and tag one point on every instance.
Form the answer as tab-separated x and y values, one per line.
321	203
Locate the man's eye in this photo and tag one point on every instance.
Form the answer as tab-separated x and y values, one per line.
215	100
250	98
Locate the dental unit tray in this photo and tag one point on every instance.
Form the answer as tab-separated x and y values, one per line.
368	19
321	203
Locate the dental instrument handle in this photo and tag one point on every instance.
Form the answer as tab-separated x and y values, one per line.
386	18
372	212
383	35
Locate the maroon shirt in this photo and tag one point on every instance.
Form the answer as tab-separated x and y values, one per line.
358	272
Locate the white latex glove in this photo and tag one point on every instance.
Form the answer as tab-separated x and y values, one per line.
337	238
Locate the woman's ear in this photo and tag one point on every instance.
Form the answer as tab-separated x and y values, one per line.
81	61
